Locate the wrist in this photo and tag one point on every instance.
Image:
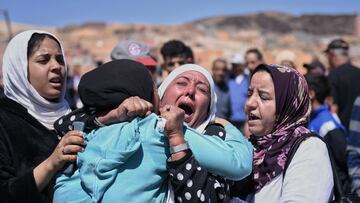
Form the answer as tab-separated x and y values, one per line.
179	148
99	121
48	166
176	139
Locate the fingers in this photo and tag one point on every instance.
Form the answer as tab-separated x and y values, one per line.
73	137
169	110
70	157
72	149
136	106
72	143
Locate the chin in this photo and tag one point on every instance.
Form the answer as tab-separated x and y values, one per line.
53	97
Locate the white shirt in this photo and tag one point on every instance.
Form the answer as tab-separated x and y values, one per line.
308	178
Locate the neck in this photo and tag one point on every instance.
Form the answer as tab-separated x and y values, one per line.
315	105
341	61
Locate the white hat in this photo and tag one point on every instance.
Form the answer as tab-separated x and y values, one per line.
237	58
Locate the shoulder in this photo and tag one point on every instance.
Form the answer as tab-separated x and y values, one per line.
311	162
312	144
311	157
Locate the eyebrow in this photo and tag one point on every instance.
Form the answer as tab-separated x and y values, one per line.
262	91
46	54
198	81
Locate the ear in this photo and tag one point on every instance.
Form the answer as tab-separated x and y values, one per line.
312	95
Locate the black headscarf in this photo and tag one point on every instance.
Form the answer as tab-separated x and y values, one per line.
105	87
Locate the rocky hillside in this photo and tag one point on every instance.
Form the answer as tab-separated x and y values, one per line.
306	36
282	23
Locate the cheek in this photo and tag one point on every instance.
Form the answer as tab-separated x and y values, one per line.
203	102
169	97
269	118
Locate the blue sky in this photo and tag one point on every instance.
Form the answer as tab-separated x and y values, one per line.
59	13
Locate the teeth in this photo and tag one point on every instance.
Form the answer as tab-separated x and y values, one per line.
252	117
55	80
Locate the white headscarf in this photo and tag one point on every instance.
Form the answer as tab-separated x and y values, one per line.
18	88
204	72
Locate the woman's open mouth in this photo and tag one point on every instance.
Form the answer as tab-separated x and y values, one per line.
56	82
189	111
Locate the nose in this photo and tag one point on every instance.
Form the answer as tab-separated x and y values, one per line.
190	91
55	65
250	104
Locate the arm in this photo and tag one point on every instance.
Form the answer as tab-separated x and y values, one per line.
309	175
126	111
11	183
65	151
187	176
231	158
211	186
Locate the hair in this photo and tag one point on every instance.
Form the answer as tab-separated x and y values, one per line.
340	52
174	48
189	53
319	84
256	52
219	60
35	41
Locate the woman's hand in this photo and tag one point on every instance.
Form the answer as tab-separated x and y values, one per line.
127	110
66	151
174	120
174	127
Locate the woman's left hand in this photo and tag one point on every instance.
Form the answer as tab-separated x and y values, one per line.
127	110
174	119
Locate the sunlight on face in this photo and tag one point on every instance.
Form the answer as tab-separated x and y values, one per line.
261	105
189	91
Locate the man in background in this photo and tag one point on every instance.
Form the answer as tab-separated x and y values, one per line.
253	58
175	53
219	72
315	67
344	79
238	89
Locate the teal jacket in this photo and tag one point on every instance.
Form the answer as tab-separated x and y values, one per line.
126	162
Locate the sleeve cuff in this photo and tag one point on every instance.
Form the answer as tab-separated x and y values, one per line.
177	163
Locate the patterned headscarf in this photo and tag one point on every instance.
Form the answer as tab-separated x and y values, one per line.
293	108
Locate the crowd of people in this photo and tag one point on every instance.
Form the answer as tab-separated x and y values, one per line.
246	132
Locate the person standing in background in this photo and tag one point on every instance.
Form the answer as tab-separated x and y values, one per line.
253	58
238	88
344	79
175	53
219	73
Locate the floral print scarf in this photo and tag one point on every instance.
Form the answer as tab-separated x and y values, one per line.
293	108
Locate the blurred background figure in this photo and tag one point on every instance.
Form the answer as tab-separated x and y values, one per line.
344	79
220	76
175	53
137	51
238	89
315	67
327	124
353	148
189	55
286	58
253	58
